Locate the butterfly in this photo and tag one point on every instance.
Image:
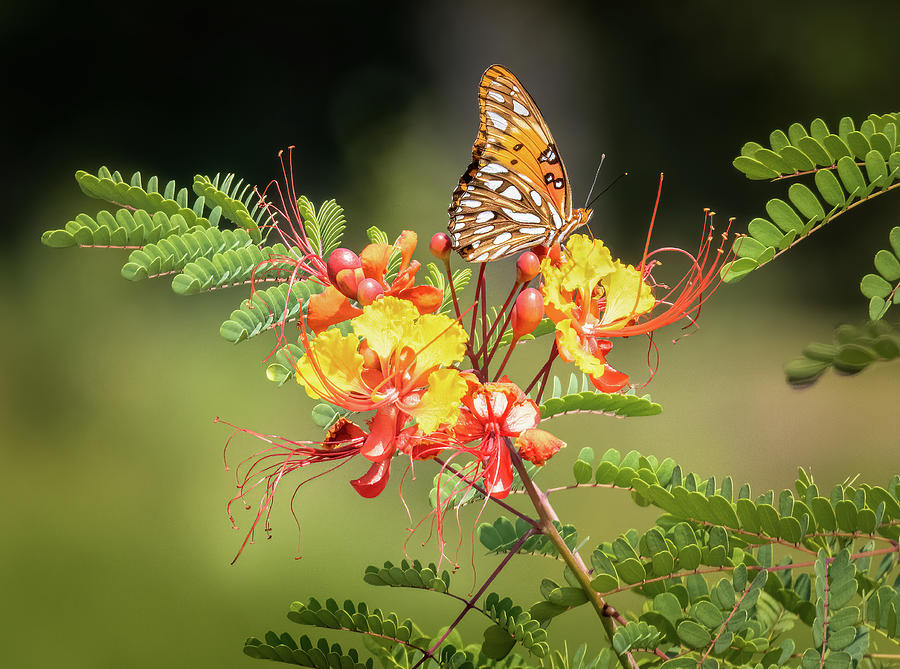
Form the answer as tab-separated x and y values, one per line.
515	194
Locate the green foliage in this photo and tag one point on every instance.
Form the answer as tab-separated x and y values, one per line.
435	277
233	203
409	575
851	350
513	625
204	247
121	229
501	535
592	401
580	660
234	266
324	227
111	187
866	162
878	287
267	309
283	648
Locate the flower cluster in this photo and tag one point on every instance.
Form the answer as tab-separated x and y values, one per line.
425	384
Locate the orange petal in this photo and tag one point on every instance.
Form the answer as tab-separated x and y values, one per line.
406	242
427	299
329	308
340	433
538	446
375	261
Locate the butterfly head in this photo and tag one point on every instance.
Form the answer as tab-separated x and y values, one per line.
579	217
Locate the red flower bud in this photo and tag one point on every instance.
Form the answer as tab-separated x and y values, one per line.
368	291
347	281
341	259
527	267
441	246
527	312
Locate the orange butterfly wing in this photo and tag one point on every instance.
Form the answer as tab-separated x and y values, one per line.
516	193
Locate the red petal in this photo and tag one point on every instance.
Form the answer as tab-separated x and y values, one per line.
498	471
426	298
382	439
611	381
329	308
372	483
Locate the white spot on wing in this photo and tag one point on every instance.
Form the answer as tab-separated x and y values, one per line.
470	203
458	227
476	244
503	237
481	258
533	231
522	216
483	230
499	252
536	197
494	168
497	121
519	108
557	219
493	184
484	217
496	96
512	193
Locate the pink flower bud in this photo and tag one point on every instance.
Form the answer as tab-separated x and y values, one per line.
347	281
441	246
527	312
527	267
341	259
368	291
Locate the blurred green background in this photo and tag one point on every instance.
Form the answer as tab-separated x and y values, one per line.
116	545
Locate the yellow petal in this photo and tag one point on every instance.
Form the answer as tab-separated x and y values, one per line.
440	403
557	305
437	340
386	324
622	301
587	261
337	358
570	341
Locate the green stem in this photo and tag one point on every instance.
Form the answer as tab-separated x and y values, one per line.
547	515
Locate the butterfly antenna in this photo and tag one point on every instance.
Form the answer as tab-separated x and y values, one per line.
614	182
596	174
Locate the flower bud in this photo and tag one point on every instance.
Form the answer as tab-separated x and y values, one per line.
527	267
441	246
527	312
347	281
373	482
368	291
341	259
538	446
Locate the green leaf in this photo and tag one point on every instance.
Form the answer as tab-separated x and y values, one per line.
233	209
692	634
754	169
267	309
783	215
614	404
830	188
324	227
851	177
497	642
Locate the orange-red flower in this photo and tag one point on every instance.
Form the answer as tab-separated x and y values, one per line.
396	363
333	306
492	413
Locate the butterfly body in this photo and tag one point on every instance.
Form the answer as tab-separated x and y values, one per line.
515	194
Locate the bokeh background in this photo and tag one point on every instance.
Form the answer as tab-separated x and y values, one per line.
116	547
